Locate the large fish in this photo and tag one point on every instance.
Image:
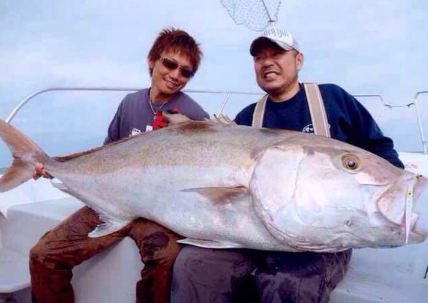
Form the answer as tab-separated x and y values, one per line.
228	186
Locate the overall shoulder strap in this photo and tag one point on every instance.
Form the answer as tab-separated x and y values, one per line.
317	109
259	112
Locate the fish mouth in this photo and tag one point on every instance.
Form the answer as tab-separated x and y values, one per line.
421	184
418	233
402	215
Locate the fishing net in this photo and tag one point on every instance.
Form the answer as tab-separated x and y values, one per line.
256	15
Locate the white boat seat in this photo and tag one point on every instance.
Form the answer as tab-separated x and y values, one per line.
364	283
117	269
18	234
14	274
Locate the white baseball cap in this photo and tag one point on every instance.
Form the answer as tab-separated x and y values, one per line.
278	36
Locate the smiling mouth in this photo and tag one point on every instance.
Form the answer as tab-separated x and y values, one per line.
270	74
171	84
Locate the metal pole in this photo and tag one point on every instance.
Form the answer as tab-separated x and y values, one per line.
226	99
418	115
118	89
373	96
31	96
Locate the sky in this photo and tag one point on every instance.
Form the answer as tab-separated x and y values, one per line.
367	47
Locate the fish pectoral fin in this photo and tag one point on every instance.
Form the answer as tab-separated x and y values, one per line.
209	243
220	195
109	226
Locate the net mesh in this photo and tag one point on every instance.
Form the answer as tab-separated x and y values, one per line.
254	14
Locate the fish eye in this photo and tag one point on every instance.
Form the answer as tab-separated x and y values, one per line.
350	162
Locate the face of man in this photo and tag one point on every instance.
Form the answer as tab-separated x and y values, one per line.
276	71
170	73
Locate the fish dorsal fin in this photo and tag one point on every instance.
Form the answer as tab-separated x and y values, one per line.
92	150
179	118
220	195
76	155
108	226
209	243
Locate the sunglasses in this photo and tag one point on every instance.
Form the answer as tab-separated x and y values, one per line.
172	65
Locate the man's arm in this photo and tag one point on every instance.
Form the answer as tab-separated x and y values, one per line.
368	135
245	116
113	132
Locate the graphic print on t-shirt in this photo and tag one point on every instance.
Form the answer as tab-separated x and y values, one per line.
308	129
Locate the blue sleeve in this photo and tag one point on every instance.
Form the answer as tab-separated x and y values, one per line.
367	134
245	116
113	132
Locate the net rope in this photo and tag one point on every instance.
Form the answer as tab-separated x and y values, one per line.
256	15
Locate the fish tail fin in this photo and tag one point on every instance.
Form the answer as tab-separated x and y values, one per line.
25	154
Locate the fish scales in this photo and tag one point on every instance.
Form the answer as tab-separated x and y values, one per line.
229	186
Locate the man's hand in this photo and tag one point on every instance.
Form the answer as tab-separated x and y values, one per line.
39	171
223	119
175	118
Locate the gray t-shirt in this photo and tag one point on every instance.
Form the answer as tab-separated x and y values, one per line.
135	115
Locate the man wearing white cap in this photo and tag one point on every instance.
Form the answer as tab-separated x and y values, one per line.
238	276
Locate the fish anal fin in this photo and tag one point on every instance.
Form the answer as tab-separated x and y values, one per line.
209	244
220	195
72	156
108	226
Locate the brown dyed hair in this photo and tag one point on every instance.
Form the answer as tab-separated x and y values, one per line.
176	40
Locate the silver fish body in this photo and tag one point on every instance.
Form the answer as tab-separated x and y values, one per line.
228	186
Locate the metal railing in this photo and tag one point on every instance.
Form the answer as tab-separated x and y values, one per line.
421	130
224	103
120	89
373	96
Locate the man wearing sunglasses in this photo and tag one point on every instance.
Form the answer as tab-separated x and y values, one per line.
173	60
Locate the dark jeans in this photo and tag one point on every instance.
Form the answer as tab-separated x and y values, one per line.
67	245
247	276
